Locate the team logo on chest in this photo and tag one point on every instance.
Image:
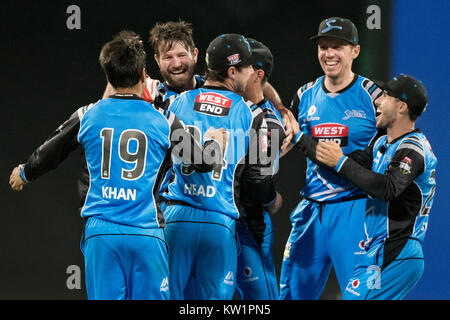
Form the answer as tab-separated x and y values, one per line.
212	104
331	132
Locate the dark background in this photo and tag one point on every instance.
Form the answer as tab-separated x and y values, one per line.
48	71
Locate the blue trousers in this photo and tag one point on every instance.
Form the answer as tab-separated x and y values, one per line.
370	282
322	236
202	253
256	277
123	262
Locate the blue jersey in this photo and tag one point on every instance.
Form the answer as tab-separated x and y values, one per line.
218	190
160	90
162	95
347	117
401	186
407	215
126	142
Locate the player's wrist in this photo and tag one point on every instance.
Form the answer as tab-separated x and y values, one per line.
340	163
22	173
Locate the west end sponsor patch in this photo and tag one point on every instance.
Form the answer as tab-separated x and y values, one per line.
212	104
234	59
331	132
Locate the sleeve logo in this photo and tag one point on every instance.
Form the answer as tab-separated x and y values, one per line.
406	165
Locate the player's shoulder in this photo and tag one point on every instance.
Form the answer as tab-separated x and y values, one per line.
82	111
414	141
370	87
270	111
308	86
153	89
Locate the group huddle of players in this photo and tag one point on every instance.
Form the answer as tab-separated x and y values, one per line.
178	174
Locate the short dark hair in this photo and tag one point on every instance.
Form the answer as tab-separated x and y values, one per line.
219	75
216	75
170	32
123	59
412	115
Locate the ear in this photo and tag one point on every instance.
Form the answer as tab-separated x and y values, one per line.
143	75
403	108
260	74
231	72
156	58
195	54
355	51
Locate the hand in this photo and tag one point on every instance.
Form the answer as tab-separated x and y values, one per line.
291	125
15	181
276	205
329	153
220	135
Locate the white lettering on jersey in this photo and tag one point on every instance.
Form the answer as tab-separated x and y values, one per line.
118	194
199	190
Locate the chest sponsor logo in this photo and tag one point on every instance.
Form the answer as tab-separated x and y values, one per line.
311	111
212	104
331	132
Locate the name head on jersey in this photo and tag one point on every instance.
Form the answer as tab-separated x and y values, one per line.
228	50
211	103
409	90
262	58
339	28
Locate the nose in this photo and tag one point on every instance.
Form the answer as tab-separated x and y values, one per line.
176	62
378	101
329	52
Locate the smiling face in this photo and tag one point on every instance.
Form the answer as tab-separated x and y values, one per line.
336	57
176	64
387	107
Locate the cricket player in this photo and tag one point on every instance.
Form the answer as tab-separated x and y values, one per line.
326	227
256	277
202	208
399	174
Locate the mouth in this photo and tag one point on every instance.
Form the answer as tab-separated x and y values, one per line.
378	115
178	72
331	63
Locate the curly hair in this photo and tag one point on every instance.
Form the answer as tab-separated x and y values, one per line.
168	33
123	59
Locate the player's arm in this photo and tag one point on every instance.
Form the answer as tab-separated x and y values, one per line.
288	118
407	163
276	133
257	178
50	154
185	147
257	186
293	107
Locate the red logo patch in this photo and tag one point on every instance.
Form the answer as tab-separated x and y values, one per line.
212	104
331	132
